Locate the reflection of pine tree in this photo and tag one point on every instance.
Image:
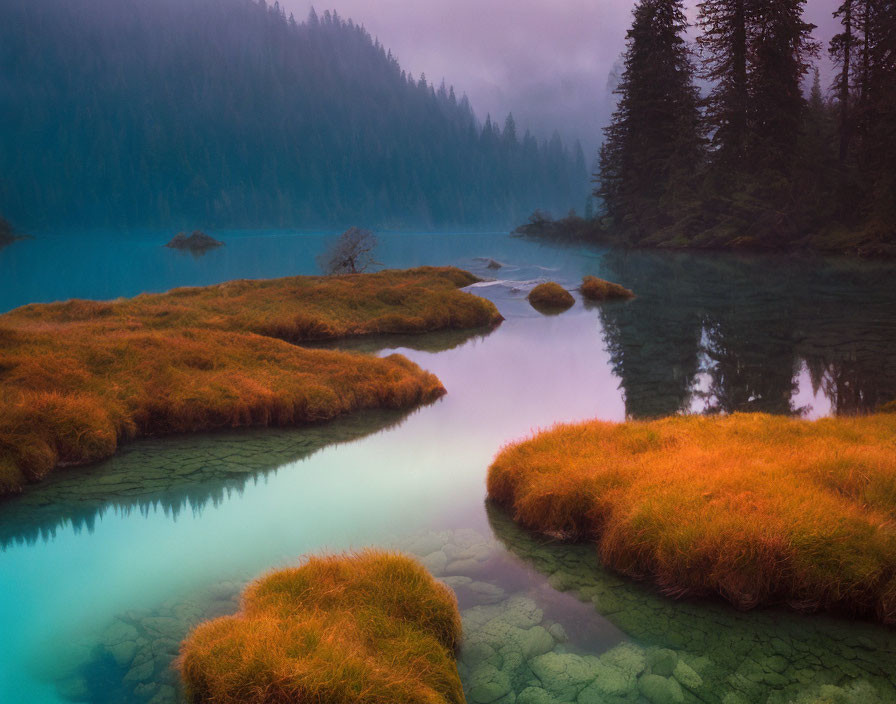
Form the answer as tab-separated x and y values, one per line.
749	325
173	475
853	385
751	369
653	341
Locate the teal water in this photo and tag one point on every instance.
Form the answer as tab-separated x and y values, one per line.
104	568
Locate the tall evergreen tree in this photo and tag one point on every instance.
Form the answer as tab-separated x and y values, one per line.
878	152
779	50
723	49
758	202
652	146
841	51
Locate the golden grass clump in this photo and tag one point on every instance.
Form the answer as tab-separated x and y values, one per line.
756	508
370	628
595	289
550	296
78	377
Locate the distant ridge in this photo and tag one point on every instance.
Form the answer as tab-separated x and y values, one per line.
229	113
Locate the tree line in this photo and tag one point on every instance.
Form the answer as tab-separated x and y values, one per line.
751	160
223	113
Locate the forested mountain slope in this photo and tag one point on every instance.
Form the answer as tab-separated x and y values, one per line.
229	113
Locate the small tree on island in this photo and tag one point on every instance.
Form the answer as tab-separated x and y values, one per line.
352	253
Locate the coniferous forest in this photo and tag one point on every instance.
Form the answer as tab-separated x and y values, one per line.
734	141
231	113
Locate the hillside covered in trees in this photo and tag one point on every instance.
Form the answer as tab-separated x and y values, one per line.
229	113
754	160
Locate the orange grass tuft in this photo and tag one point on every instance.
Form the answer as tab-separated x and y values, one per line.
550	297
595	289
758	509
78	377
371	628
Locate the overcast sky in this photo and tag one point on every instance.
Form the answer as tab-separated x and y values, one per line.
547	61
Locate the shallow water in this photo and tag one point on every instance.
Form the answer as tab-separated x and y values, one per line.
104	568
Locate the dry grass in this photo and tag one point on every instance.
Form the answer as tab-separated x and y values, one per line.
372	628
78	377
595	289
758	509
550	296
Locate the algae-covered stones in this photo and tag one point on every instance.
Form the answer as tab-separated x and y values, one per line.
615	674
365	628
662	662
660	690
564	675
595	289
550	297
687	675
535	695
488	683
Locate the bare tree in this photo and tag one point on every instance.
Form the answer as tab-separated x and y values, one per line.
352	253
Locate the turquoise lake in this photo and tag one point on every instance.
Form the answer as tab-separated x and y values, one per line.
103	569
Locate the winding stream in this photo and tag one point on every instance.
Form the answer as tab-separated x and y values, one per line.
103	569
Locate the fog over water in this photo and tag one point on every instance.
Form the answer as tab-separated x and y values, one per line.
547	61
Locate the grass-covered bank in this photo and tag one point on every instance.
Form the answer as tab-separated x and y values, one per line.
755	508
369	628
76	378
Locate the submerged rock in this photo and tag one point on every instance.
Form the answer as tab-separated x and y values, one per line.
197	242
661	690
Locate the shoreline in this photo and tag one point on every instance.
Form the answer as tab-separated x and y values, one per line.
80	377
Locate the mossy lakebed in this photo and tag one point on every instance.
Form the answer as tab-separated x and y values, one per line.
81	376
543	624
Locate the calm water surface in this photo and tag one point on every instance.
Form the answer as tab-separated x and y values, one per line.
103	569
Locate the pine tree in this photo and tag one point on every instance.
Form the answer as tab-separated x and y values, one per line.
841	52
779	49
877	115
652	146
723	49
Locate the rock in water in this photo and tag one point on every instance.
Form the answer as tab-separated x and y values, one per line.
197	242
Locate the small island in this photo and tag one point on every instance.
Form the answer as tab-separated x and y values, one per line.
82	376
757	509
550	297
197	242
367	628
7	233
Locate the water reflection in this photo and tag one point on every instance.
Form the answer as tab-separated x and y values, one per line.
728	656
545	624
706	334
720	334
172	475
